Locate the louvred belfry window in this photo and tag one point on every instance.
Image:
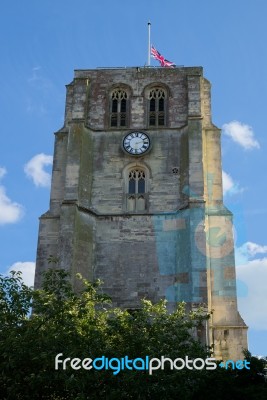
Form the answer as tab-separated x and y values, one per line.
157	107
119	108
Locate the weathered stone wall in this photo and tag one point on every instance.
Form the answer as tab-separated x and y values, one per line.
175	248
100	82
109	163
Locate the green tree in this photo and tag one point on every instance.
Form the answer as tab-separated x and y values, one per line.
86	325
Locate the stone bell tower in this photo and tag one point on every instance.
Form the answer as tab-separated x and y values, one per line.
136	196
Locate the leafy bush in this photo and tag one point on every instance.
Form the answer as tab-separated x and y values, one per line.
86	325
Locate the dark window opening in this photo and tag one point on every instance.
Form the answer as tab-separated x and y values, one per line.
114	120
131	186
141	185
157	107
123	105
152	105
114	105
119	108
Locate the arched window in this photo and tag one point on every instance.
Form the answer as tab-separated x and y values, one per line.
157	107
118	108
136	188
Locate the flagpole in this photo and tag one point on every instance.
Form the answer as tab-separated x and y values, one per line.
149	45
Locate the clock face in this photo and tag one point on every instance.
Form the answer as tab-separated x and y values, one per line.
136	143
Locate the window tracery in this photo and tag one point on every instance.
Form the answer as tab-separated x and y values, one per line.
136	196
119	108
157	107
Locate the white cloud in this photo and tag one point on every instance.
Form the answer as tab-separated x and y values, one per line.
34	169
229	186
41	89
248	251
251	249
27	268
39	81
10	211
252	299
35	74
2	172
242	134
228	182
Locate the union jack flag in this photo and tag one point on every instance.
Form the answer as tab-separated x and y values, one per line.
163	62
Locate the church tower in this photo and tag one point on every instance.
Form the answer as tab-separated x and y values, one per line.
136	197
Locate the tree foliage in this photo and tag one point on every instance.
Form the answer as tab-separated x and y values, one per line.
86	325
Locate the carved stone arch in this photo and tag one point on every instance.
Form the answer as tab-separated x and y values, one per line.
136	165
156	84
121	85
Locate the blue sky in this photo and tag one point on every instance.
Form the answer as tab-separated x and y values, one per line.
43	42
